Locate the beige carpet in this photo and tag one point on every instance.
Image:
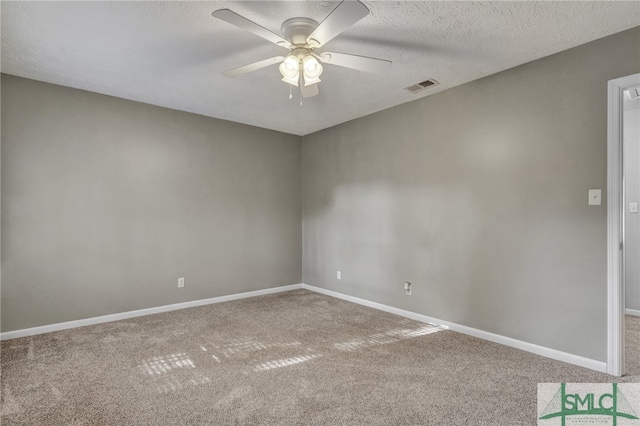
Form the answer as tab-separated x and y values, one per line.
295	358
632	350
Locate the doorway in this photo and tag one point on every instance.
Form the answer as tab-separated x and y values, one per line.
623	222
631	169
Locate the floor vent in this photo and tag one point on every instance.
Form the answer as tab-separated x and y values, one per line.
418	87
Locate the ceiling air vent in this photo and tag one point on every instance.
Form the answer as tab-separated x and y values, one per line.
419	87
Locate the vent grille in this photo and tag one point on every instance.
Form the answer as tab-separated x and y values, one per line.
419	87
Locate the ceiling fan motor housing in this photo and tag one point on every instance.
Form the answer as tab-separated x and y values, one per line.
296	30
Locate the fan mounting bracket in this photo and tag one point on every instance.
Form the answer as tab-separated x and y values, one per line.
296	30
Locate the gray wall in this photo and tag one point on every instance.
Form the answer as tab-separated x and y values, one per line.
477	195
631	129
106	202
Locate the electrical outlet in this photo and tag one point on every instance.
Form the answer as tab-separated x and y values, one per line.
407	288
181	282
338	275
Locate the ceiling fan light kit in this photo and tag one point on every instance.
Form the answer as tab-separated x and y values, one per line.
301	65
301	36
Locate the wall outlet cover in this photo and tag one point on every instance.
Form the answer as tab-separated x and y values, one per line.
595	197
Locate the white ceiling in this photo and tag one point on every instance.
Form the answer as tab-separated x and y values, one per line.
172	53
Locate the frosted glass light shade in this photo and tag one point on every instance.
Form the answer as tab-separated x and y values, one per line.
311	70
290	70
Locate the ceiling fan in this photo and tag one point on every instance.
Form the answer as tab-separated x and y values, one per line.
302	36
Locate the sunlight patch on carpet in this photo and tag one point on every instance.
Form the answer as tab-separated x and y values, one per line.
279	363
387	337
166	363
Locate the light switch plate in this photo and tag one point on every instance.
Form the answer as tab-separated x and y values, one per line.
633	207
595	197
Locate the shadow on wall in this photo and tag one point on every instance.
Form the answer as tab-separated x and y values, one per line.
476	197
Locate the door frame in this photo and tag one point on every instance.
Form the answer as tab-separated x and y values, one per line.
615	224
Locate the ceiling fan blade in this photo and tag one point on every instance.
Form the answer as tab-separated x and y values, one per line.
247	25
310	91
253	67
361	63
342	17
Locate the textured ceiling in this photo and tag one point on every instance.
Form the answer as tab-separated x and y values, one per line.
172	53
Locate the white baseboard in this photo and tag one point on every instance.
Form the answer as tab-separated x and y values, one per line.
141	312
634	312
496	338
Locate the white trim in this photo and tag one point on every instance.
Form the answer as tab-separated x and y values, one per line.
615	225
634	312
141	312
496	338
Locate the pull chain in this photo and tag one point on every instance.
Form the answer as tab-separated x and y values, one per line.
290	94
